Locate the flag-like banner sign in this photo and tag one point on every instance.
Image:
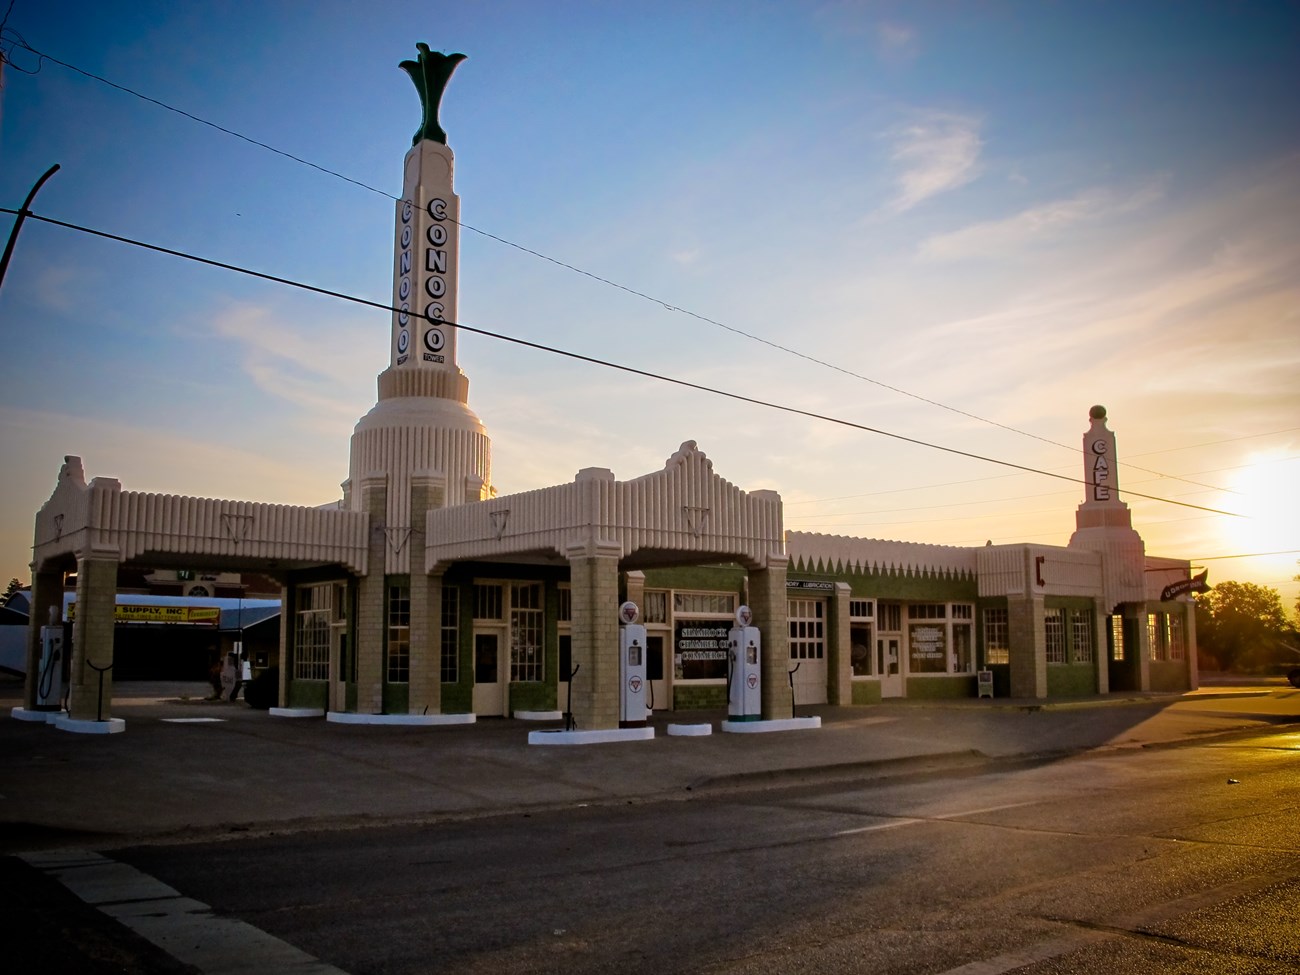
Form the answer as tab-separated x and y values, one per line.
194	615
1194	584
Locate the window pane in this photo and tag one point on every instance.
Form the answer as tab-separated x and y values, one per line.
450	644
526	655
1081	636
1054	635
398	649
927	648
312	633
997	649
860	648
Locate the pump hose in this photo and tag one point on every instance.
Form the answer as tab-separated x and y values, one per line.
45	682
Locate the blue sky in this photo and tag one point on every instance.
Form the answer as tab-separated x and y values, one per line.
1012	210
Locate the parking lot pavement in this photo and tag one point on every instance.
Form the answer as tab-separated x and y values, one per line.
190	768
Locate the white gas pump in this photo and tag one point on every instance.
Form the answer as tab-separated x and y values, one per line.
49	675
744	656
632	710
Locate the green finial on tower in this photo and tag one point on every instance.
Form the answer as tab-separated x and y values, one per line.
430	73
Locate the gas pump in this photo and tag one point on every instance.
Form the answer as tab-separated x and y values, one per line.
744	677
632	710
49	674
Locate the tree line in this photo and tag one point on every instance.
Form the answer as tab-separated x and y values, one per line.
1243	627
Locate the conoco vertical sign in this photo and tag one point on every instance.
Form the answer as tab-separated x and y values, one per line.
424	285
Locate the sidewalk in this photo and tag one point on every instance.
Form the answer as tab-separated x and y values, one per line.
187	768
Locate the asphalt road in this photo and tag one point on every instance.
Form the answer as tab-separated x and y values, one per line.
1177	858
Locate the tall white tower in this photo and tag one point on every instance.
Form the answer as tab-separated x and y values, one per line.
421	424
1103	523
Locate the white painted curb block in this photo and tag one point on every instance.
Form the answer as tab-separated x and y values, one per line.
297	712
46	717
779	724
597	737
419	720
690	730
539	715
109	726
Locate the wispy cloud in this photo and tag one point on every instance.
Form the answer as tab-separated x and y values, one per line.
304	365
995	238
896	42
58	285
936	152
1194	306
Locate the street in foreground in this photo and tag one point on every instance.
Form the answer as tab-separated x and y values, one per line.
1171	859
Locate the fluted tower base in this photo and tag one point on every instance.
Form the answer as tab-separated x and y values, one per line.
420	425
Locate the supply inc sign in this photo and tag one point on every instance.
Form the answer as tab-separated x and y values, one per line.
192	615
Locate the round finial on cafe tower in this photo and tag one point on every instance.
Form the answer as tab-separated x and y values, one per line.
1097	413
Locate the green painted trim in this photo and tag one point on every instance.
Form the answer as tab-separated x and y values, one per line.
308	693
709	578
397	698
866	692
744	717
942	688
692	698
1071	680
1170	675
531	696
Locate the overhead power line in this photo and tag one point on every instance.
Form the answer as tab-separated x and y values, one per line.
667	306
1248	555
579	357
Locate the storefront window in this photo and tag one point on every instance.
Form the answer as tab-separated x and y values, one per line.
1177	648
1081	636
963	646
1054	635
938	639
807	619
997	648
449	655
927	648
526	655
860	648
398	648
700	649
655	609
312	633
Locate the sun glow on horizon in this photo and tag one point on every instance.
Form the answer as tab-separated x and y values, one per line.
1269	491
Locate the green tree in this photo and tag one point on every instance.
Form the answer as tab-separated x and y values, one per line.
1240	624
13	587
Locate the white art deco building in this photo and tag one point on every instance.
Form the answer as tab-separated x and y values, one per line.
426	597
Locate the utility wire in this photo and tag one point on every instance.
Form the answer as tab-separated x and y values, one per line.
600	362
202	121
1248	555
667	306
